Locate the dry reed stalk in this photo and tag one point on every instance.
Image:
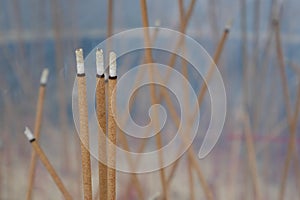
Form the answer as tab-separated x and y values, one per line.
47	164
83	123
101	115
37	129
292	120
112	128
251	157
149	59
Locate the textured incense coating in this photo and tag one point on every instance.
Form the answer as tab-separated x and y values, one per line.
84	138
101	115
112	128
37	128
47	164
83	126
111	154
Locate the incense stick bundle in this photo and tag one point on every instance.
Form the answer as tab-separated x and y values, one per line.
84	132
46	163
101	115
37	128
112	128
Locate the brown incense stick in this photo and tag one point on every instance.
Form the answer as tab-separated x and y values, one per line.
112	128
83	132
123	139
201	95
171	61
216	58
47	164
251	157
101	114
204	87
191	180
292	120
148	58
194	161
191	152
37	129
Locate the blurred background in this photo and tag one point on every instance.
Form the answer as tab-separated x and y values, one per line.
257	156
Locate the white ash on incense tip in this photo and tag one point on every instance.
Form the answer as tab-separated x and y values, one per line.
112	64
44	76
79	61
99	62
28	134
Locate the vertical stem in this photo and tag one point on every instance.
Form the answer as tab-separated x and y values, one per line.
148	58
191	180
292	120
47	164
112	128
251	157
193	160
100	98
83	123
37	129
101	115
